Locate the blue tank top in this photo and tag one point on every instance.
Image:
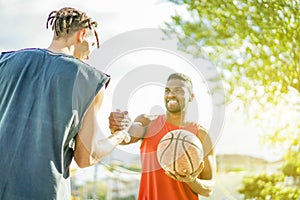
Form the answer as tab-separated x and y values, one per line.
43	98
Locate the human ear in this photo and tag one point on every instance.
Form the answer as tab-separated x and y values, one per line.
80	35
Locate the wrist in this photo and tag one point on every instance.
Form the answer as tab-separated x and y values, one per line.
119	136
192	180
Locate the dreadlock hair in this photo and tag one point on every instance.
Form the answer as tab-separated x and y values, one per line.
69	20
182	77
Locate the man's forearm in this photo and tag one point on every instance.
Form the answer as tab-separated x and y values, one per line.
202	187
104	147
136	131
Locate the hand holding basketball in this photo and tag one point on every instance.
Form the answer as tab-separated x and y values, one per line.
180	154
187	177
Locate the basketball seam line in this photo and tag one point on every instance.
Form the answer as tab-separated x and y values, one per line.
182	140
187	153
175	150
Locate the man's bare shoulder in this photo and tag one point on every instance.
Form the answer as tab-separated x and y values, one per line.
202	130
205	139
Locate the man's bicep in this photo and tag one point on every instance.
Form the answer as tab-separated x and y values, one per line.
88	132
81	154
209	155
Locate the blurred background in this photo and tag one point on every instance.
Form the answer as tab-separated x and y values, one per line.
254	45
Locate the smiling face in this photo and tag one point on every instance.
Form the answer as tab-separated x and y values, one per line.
177	95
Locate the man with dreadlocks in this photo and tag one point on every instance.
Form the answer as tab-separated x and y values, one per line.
48	105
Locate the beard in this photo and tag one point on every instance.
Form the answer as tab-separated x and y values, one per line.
173	108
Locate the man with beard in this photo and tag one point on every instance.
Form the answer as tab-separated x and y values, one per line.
156	183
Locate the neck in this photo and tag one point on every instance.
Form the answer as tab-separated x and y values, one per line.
58	46
178	119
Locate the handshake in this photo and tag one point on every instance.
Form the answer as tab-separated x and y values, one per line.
119	124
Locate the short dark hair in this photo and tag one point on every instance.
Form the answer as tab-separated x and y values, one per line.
69	20
183	77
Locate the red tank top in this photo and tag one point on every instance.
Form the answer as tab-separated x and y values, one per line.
155	184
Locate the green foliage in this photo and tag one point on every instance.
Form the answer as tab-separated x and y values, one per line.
257	41
292	164
238	169
284	185
264	186
253	186
255	45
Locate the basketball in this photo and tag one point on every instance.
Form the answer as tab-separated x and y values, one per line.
180	151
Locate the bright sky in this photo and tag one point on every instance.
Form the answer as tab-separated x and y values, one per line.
24	25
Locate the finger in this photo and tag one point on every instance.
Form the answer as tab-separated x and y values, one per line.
127	138
126	135
116	115
127	120
123	125
114	123
115	128
118	111
118	125
197	172
125	115
116	118
120	116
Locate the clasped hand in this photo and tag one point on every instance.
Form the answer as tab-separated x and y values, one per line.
119	121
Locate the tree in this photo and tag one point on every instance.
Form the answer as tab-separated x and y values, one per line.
256	46
264	186
258	40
